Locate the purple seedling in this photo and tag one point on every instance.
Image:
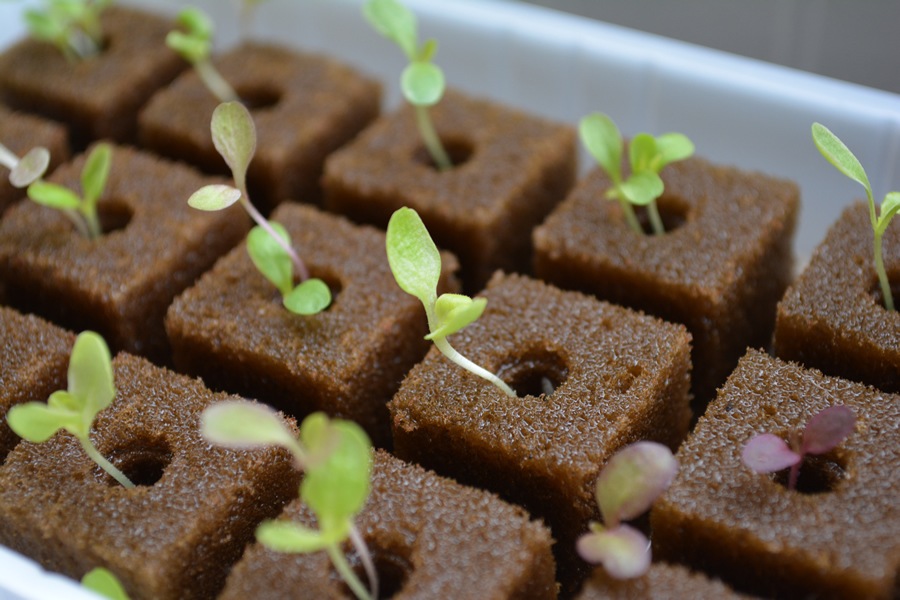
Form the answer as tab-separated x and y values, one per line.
768	453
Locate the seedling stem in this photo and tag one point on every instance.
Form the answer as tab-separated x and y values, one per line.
431	139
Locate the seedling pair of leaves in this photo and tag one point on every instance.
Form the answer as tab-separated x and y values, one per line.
336	458
837	153
416	264
626	488
768	453
269	244
90	390
194	44
26	170
73	26
647	156
422	82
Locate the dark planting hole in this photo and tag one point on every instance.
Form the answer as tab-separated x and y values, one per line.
818	474
537	372
331	280
114	215
258	97
143	460
621	380
673	215
894	283
459	150
393	570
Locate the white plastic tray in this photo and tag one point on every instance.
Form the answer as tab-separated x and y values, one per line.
737	110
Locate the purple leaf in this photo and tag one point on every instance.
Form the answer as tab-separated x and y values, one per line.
828	428
767	453
623	551
632	479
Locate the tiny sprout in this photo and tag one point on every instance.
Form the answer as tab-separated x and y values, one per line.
195	46
73	26
90	390
835	152
337	459
26	170
768	453
422	82
628	485
647	157
416	264
82	211
103	582
269	244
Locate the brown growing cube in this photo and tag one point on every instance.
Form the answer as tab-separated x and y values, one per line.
175	535
232	329
34	357
98	97
833	318
121	284
430	537
619	377
512	169
720	269
662	581
836	538
305	106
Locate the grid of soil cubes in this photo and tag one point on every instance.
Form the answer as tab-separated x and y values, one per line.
608	336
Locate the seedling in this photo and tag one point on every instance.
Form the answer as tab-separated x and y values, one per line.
835	152
647	156
26	170
103	582
73	26
81	210
194	44
269	244
336	456
768	453
422	82
628	485
416	265
90	390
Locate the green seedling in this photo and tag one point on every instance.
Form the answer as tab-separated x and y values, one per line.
416	264
81	210
835	152
269	244
336	457
194	44
647	156
626	488
73	26
422	82
26	170
90	390
102	581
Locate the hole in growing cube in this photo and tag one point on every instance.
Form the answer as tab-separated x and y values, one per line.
674	214
459	150
259	97
392	566
114	215
534	372
819	474
143	459
875	288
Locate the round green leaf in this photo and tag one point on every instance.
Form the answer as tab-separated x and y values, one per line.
632	479
53	195
190	48
454	312
623	551
244	425
602	139
413	257
106	584
37	422
889	207
422	83
309	298
196	22
673	147
214	197
284	536
43	26
234	136
642	188
96	172
393	20
30	167
838	154
91	374
270	257
642	152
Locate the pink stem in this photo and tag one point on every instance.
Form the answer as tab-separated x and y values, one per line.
299	266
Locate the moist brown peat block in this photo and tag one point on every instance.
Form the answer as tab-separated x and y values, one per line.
720	269
619	376
833	317
304	106
232	329
512	169
98	97
120	284
753	532
34	357
175	535
20	132
661	581
430	537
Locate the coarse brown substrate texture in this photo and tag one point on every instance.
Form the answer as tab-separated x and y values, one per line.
34	357
98	97
749	529
833	318
175	536
304	106
619	377
512	169
121	284
661	581
232	329
430	538
20	132
720	269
